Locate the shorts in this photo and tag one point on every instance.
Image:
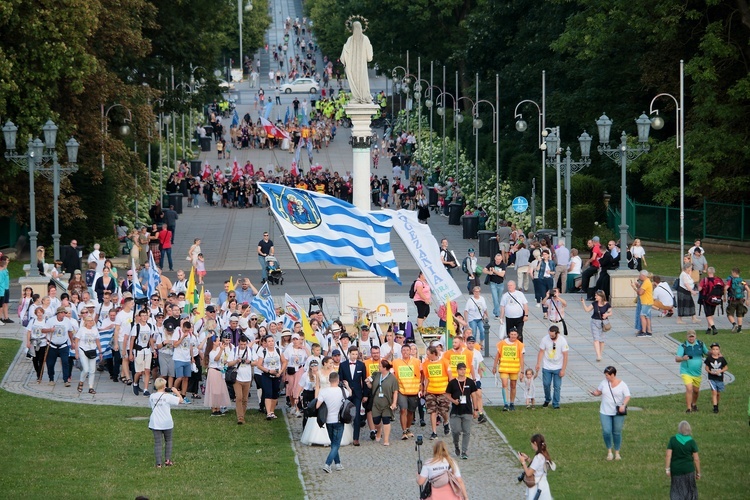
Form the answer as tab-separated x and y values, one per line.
182	369
270	385
437	403
423	309
716	385
142	360
690	380
646	311
386	420
166	365
5	298
408	403
709	309
479	384
512	376
504	247
736	308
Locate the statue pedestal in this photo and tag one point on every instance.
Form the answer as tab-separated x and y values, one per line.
37	284
360	284
622	294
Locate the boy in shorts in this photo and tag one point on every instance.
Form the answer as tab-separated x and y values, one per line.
736	289
715	365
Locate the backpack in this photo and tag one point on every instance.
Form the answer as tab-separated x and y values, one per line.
412	289
348	411
689	350
464	266
736	289
712	290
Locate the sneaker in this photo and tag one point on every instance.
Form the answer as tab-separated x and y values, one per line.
716	408
716	332
642	334
482	418
545	404
512	407
708	331
610	457
2	322
372	435
694	408
223	409
734	328
8	321
187	401
136	389
446	429
464	456
327	468
146	393
538	304
51	382
422	423
505	407
458	452
688	411
339	467
649	334
432	436
269	417
739	329
216	414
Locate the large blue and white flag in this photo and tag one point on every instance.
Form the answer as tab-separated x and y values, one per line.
153	275
137	289
321	227
263	303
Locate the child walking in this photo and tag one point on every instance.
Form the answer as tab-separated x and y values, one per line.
200	268
528	388
715	365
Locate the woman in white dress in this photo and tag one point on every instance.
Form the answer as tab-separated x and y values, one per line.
313	433
194	251
539	466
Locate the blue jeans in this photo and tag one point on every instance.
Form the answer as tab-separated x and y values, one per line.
552	377
196	199
638	325
52	355
497	292
477	327
335	433
262	262
612	430
168	253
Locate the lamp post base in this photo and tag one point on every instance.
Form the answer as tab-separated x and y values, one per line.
359	285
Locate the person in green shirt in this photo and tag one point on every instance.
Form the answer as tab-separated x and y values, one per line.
690	355
683	464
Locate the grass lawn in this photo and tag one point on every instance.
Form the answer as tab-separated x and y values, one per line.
15	269
67	450
575	443
666	263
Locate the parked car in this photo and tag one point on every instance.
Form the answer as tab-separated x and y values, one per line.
225	85
301	85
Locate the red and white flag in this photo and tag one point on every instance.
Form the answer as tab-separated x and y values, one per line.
273	130
206	174
236	174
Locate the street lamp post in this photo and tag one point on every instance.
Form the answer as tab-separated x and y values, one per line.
440	102
474	129
477	124
37	154
657	122
623	154
551	145
521	126
124	130
572	168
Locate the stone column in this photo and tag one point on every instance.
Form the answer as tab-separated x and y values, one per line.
359	283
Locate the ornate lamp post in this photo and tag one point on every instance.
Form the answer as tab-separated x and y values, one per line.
38	154
623	154
124	129
551	145
521	126
571	168
477	124
657	122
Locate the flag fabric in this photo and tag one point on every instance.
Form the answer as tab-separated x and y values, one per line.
362	314
287	116
307	329
231	284
294	171
425	249
319	227
449	320
292	312
273	130
137	289
190	292
200	309
304	121
263	303
206	173
236	172
153	275
295	163
235	118
267	110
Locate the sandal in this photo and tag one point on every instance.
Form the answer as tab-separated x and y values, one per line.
128	381
169	463
158	466
80	386
92	391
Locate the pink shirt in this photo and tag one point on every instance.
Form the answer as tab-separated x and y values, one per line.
425	289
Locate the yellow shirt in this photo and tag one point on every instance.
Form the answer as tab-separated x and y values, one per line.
436	374
647	298
510	356
408	375
372	367
463	356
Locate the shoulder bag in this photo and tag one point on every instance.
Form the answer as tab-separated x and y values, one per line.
617	407
485	319
565	325
230	376
606	325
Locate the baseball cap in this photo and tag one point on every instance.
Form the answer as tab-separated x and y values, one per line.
364	327
715	344
169	327
460	365
296	337
345	336
210	309
61	310
314	362
253	315
77	271
471	250
336	352
471	338
234	317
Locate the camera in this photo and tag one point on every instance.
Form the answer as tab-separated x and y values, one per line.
521	476
553	293
420	440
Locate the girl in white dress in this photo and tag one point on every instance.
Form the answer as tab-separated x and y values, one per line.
539	466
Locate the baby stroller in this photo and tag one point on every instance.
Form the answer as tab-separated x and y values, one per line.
275	274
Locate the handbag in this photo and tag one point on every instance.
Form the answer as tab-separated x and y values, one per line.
617	407
230	376
606	325
425	490
91	354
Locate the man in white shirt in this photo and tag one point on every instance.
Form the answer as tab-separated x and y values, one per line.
553	359
180	285
514	310
61	330
121	341
333	398
664	299
141	346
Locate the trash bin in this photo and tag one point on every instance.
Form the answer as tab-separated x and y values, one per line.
316	303
195	168
184	187
206	144
471	226
433	197
165	200
454	217
484	238
175	199
547	234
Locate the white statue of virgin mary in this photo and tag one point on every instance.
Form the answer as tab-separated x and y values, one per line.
355	56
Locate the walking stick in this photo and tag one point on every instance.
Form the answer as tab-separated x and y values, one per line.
44	363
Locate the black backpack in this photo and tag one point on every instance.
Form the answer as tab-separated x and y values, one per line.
412	289
348	411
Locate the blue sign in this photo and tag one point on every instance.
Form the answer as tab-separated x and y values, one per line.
520	204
